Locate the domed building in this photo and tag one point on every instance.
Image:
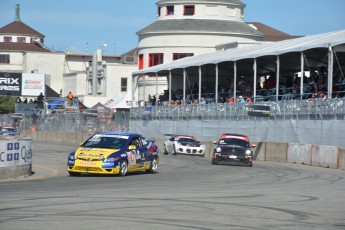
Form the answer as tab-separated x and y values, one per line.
188	28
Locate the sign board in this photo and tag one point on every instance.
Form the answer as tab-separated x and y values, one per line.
15	152
10	84
258	110
33	84
22	84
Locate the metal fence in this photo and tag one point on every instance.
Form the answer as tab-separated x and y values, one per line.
68	122
293	109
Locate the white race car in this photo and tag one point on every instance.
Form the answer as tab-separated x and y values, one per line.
183	144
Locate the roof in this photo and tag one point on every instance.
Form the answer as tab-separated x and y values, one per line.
271	34
17	46
176	26
325	40
19	28
201	1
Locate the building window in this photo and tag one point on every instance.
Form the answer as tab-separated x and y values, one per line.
5	58
123	84
170	10
7	39
141	62
189	10
177	56
155	59
21	39
159	11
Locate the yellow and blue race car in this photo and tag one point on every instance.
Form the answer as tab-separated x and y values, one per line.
114	153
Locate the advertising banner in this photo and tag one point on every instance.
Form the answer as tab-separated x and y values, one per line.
15	152
18	84
10	84
258	110
33	84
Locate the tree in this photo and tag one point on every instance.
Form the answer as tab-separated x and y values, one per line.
7	104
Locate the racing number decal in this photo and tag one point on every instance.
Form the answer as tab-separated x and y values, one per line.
132	157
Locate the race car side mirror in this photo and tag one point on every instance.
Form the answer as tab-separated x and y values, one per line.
132	147
214	142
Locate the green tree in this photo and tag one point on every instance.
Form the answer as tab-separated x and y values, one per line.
7	104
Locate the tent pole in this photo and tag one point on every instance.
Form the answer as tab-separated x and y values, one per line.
216	90
184	86
169	86
156	88
255	79
330	72
277	78
302	75
235	80
199	97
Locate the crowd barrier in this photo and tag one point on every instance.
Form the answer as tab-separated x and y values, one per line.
15	157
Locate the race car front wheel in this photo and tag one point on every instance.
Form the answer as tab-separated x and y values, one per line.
123	168
153	166
174	150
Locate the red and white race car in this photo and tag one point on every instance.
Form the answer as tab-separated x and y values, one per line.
183	144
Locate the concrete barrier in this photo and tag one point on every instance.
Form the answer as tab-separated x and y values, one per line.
15	157
260	151
315	155
325	156
341	158
299	154
276	152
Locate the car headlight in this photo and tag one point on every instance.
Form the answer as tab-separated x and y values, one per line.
111	159
218	149
71	157
248	152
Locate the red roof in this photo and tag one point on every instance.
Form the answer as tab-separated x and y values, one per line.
271	34
17	46
19	28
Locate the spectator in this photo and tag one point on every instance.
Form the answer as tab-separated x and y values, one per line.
25	101
40	99
202	101
70	98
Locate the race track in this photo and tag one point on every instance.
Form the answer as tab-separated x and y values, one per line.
186	193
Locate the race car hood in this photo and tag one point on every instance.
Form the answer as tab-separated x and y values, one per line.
93	153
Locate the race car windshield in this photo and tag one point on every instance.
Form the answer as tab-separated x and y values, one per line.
233	141
187	140
106	142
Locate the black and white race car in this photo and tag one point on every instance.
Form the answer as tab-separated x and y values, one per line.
183	144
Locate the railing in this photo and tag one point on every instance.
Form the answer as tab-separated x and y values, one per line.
285	109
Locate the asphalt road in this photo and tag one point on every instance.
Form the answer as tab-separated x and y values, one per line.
186	193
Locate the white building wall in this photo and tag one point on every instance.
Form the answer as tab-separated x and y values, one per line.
50	64
16	62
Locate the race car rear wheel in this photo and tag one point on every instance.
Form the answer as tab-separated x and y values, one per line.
214	162
74	174
174	150
123	168
165	150
153	166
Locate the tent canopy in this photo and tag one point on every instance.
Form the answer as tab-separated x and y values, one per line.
325	40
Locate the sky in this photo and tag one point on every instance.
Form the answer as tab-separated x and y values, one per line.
82	26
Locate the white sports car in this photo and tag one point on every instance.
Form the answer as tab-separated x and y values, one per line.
183	144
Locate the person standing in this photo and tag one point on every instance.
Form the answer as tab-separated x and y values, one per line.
70	98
